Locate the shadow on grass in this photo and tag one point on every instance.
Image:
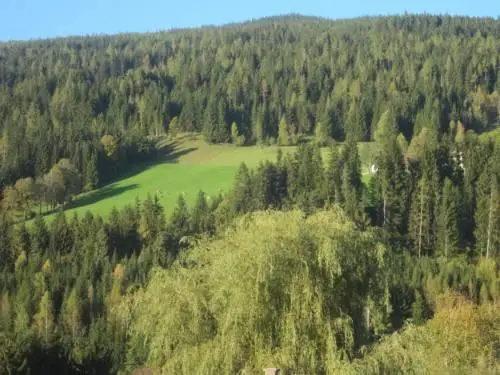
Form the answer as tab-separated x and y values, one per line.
165	153
168	152
105	192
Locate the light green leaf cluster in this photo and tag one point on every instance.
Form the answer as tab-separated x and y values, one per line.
276	290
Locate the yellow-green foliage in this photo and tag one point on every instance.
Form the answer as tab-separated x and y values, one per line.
277	290
462	338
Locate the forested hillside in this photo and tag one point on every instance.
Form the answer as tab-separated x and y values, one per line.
272	80
303	264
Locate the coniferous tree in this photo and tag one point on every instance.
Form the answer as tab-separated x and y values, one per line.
72	315
200	215
242	192
180	220
391	185
40	235
91	179
44	318
424	204
351	180
333	177
283	133
487	232
322	133
447	221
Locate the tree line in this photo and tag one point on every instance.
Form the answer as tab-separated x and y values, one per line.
433	198
76	293
274	80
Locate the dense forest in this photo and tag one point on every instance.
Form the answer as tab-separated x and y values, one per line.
276	80
300	266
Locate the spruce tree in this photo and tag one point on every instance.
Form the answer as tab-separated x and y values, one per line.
283	133
91	177
180	221
447	221
322	133
351	180
200	214
487	215
391	184
242	192
44	318
333	177
40	236
424	204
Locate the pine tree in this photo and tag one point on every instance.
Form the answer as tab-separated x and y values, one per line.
351	180
322	134
44	318
200	215
21	240
283	133
210	122
242	192
61	237
281	177
152	219
423	208
386	127
391	181
235	134
222	133
6	256
91	179
180	221
40	236
447	221
72	315
419	309
333	177
5	312
487	231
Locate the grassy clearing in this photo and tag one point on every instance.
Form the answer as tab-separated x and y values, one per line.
191	166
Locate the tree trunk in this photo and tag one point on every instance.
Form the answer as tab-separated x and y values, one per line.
490	219
385	211
420	230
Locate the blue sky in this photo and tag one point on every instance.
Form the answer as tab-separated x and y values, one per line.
29	19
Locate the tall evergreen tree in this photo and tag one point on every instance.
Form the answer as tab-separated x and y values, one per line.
487	232
391	182
333	177
180	221
424	204
242	192
352	185
447	221
44	318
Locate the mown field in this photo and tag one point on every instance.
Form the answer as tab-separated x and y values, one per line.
191	166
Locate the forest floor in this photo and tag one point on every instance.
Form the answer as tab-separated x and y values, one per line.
190	165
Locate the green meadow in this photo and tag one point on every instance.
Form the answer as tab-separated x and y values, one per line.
190	165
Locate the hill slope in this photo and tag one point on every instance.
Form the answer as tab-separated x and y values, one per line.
275	79
191	166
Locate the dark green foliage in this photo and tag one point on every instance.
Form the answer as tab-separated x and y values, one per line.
351	181
419	309
333	177
180	221
487	214
391	187
76	113
424	206
447	221
242	192
313	76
